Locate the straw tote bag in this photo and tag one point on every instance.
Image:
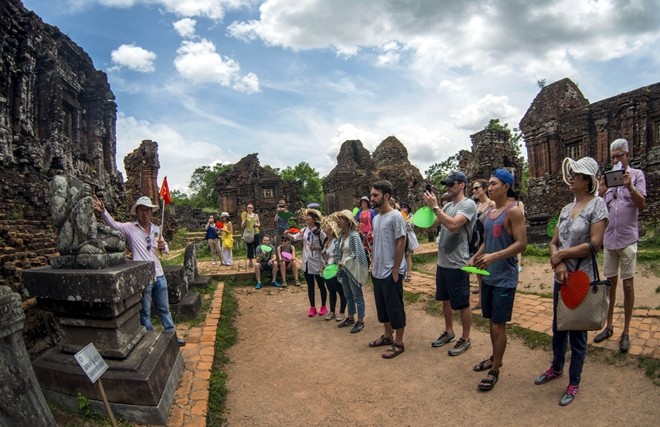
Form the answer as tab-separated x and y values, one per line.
591	313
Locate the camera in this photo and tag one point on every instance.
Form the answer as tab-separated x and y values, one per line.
429	188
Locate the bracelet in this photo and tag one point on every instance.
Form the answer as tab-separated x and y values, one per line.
436	207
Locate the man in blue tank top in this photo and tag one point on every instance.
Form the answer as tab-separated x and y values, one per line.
505	238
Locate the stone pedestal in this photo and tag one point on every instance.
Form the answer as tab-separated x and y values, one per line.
182	301
21	399
140	388
99	306
102	307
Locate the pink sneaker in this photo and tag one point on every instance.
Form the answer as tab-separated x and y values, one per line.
312	312
323	311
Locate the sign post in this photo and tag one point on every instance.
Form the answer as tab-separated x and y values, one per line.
94	366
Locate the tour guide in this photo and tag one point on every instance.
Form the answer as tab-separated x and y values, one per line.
143	238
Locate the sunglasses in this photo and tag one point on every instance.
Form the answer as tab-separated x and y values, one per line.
450	185
149	243
476	188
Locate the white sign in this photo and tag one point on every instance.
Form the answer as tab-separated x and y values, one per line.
91	361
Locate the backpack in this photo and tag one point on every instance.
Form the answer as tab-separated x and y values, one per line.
476	239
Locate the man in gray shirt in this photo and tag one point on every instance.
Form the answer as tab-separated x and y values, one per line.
389	235
452	284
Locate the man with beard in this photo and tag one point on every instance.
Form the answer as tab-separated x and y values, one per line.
389	233
456	219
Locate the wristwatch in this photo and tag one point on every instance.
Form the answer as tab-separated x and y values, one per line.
436	207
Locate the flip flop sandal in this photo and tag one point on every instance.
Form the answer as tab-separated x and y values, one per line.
394	351
487	384
380	342
482	365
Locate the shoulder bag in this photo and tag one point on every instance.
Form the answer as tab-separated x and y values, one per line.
248	235
591	313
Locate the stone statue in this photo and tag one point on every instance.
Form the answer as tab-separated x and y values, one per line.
81	241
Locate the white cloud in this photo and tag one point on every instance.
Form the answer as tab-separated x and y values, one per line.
134	58
478	114
185	27
175	162
200	63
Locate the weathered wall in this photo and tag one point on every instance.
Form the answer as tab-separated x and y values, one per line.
561	123
491	149
57	115
356	170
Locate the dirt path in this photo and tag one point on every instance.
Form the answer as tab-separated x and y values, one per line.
288	369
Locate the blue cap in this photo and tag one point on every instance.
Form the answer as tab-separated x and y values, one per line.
454	177
504	176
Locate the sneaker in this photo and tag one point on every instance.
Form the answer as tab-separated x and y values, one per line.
569	395
312	312
250	264
548	375
330	316
624	344
276	284
346	322
340	317
180	341
460	347
258	285
605	334
443	339
357	327
323	311
297	283
284	284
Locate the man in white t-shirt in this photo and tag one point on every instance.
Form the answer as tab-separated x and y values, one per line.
388	267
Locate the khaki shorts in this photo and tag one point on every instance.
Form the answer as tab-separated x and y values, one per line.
626	258
215	245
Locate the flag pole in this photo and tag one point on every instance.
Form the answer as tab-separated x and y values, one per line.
162	221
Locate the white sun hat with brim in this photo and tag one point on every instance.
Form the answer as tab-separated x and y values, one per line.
144	201
585	166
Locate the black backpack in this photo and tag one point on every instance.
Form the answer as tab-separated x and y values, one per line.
477	237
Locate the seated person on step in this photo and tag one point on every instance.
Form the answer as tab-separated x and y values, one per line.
265	260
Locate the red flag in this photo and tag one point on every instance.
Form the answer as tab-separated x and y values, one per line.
165	192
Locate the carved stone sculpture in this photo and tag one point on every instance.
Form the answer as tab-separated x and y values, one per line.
81	241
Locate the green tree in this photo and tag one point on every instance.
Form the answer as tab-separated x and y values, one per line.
309	180
180	198
202	185
439	171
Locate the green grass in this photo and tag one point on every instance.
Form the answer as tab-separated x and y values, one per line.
226	337
411	298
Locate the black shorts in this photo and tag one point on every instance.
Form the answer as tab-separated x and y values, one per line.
497	303
453	285
265	266
389	301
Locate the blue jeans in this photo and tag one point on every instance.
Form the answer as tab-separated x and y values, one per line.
560	339
157	291
353	294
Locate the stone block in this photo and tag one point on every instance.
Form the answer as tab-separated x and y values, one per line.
177	285
136	413
189	306
140	379
110	290
201	282
114	338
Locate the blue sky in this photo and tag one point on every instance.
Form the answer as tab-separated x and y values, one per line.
214	80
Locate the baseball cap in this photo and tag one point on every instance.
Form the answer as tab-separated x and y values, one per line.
453	177
507	178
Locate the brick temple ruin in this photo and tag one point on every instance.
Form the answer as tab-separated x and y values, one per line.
357	169
562	123
248	182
